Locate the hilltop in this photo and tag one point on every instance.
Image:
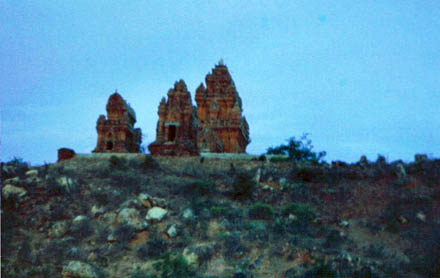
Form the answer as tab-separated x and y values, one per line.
137	216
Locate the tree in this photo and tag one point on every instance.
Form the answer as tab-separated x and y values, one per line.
298	150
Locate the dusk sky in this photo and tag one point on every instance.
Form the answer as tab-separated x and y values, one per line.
362	77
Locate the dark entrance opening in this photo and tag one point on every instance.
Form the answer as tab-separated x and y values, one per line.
171	133
109	146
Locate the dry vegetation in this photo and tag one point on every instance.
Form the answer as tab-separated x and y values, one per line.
86	218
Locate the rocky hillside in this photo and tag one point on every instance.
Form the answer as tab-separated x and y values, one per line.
135	216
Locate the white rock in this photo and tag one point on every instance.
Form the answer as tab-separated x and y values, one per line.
149	201
32	173
96	211
132	217
13	181
10	190
80	218
344	223
172	231
421	216
156	213
79	269
58	230
188	213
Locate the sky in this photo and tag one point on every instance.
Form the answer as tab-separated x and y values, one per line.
361	77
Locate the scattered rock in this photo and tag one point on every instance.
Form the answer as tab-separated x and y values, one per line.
13	181
148	201
188	213
92	257
132	217
80	218
156	214
13	191
267	188
200	253
403	219
96	211
131	203
401	172
283	183
32	173
77	269
172	231
344	223
67	183
258	175
421	216
58	229
111	237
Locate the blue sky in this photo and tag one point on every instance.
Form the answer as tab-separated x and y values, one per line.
362	77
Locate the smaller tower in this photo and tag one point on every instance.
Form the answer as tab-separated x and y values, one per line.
176	129
116	133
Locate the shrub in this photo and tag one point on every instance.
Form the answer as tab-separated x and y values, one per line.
124	233
117	163
199	188
261	211
174	266
233	245
298	150
303	211
243	186
149	163
257	231
154	248
81	230
321	271
127	180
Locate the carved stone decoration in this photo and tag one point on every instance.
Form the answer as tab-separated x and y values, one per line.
217	125
176	130
220	114
116	133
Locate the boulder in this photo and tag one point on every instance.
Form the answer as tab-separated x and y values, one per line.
188	213
132	217
13	181
131	203
32	173
172	231
80	218
149	201
13	191
68	183
96	211
77	269
156	214
58	229
200	253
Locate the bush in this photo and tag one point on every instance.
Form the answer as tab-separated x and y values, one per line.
199	188
243	186
117	163
233	245
174	266
81	230
124	233
298	150
149	163
127	180
303	211
261	211
154	248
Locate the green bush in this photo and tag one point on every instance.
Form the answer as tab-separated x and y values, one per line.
174	266
117	163
199	188
298	150
243	186
149	163
303	211
124	233
261	211
154	248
